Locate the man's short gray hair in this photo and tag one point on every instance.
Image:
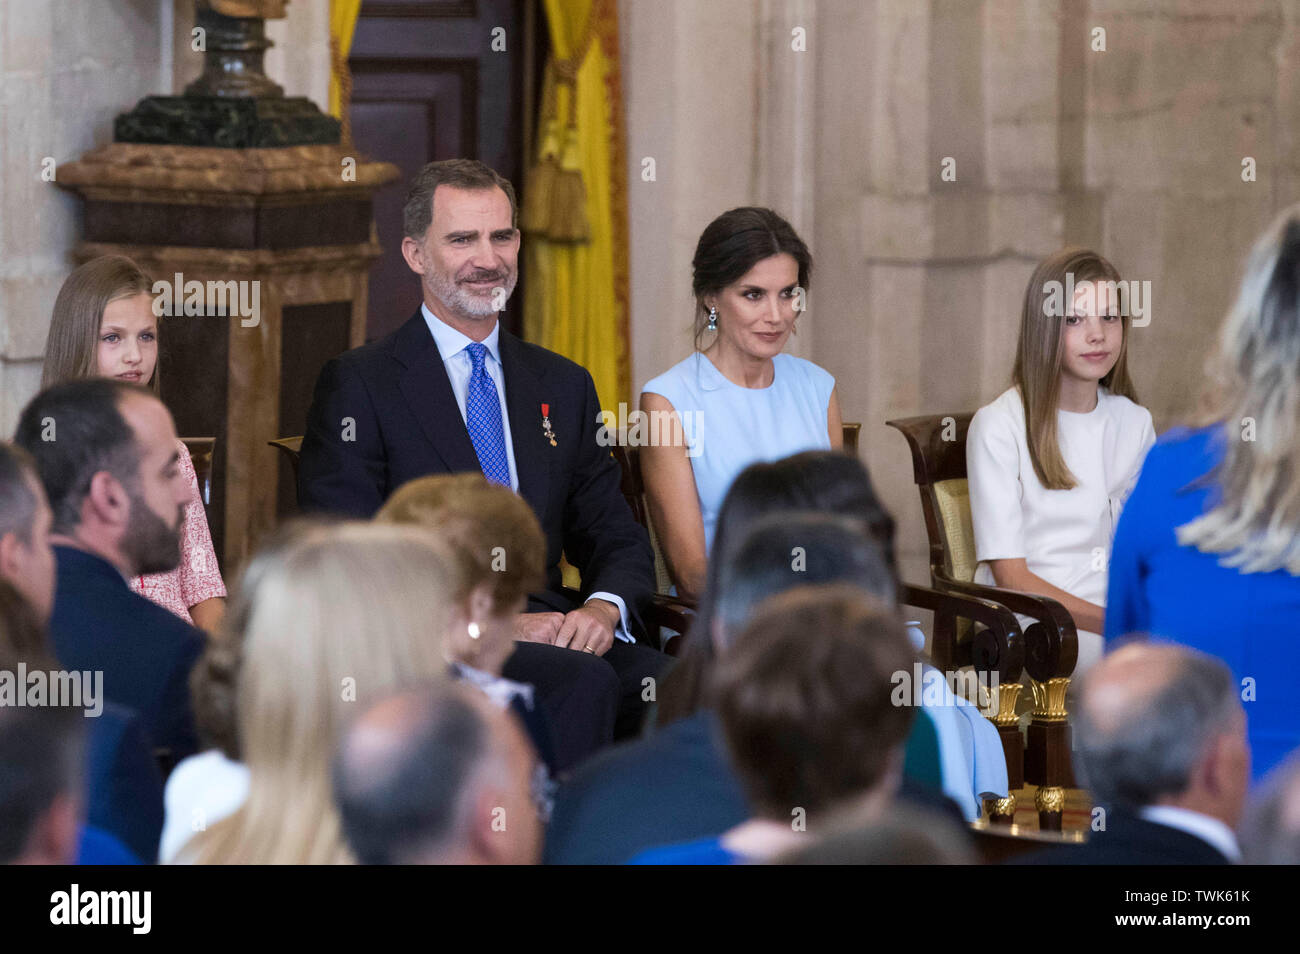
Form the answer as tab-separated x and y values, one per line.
1149	750
470	174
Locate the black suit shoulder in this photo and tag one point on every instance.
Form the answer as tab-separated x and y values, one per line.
1131	840
549	363
144	651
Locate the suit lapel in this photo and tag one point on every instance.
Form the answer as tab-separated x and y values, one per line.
525	395
427	389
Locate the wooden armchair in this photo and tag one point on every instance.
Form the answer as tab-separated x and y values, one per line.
202	450
994	649
1050	643
291	448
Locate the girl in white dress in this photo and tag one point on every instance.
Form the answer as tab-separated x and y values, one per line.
1051	460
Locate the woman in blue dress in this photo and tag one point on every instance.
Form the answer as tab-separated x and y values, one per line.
1207	551
740	400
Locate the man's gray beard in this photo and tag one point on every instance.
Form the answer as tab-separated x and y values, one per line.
466	303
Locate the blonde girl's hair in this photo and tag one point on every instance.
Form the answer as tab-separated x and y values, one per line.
342	616
1039	354
490	530
1253	378
72	348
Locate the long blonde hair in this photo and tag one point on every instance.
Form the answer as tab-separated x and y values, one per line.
72	348
343	615
1037	373
1253	379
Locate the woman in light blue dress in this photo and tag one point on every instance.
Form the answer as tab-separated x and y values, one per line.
739	400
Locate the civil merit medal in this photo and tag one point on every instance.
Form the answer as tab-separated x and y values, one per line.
546	424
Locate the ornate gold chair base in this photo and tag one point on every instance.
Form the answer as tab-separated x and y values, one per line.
1050	802
1001	811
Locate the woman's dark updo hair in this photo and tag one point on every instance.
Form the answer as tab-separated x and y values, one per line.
735	242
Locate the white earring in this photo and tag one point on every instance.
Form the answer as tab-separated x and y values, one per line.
713	318
474	631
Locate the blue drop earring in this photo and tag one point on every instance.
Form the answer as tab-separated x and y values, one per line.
713	319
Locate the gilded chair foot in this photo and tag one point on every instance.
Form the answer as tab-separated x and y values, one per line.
1001	811
1050	802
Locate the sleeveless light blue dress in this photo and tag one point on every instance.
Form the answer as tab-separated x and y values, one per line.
728	427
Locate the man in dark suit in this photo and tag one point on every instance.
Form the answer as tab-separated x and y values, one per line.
451	391
26	557
107	455
1161	739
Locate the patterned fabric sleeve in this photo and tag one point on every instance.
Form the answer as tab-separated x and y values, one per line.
200	576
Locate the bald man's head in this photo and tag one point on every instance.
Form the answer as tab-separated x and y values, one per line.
436	776
1151	719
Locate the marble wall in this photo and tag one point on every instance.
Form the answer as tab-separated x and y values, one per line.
59	90
1136	150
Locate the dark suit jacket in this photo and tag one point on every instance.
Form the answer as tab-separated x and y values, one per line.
124	788
1130	840
145	652
405	423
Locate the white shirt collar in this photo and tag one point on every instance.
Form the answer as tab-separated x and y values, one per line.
497	688
452	342
1208	829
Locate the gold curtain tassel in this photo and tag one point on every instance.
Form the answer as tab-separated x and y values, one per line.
568	218
536	213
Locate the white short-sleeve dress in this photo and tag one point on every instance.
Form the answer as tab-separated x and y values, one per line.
1063	536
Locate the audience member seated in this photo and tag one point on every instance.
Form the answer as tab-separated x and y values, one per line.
437	777
210	786
104	325
340	616
969	762
42	786
676	783
1208	549
804	700
109	460
1051	460
122	787
751	279
905	836
497	551
1270	833
451	391
26	557
1160	739
41	766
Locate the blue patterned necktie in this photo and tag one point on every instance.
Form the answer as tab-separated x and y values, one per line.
483	419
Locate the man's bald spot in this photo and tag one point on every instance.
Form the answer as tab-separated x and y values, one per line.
383	736
1126	680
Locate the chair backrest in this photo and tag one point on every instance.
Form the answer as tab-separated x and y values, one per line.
938	446
201	451
291	447
633	488
852	430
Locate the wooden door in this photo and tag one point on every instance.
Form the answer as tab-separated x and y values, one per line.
427	84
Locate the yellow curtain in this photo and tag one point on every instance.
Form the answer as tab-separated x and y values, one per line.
576	288
343	23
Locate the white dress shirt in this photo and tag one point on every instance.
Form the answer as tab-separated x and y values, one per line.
451	346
